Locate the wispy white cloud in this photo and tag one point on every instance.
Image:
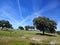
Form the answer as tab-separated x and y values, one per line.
12	20
20	9
29	18
36	4
50	6
8	13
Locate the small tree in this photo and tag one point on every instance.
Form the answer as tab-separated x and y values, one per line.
44	23
21	28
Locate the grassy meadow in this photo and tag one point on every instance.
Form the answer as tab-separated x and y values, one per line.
23	37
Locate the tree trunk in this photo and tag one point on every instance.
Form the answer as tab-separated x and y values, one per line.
2	28
43	32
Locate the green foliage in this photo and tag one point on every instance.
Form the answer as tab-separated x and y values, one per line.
4	23
44	23
21	28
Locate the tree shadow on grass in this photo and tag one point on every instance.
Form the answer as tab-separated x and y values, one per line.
34	43
40	44
46	34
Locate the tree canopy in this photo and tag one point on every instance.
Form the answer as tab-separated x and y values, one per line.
43	24
5	23
21	28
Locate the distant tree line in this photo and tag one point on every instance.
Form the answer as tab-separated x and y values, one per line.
41	23
26	27
58	32
29	27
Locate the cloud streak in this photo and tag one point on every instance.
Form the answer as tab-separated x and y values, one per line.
20	9
48	7
9	12
31	17
35	5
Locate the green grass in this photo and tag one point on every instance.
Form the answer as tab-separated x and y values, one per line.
14	37
15	42
16	33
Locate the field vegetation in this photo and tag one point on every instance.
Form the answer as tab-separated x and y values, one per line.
23	37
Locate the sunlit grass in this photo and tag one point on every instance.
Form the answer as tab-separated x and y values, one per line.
22	37
16	33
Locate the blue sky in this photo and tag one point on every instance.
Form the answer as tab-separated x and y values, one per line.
22	12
